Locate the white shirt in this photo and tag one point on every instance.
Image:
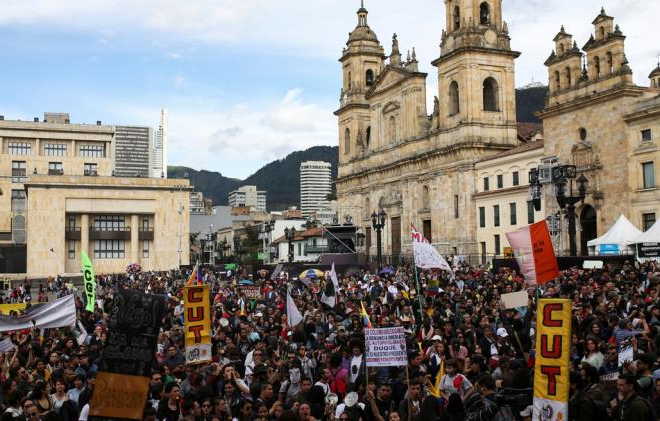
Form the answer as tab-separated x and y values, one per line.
84	413
357	363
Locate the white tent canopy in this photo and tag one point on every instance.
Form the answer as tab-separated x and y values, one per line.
652	235
623	233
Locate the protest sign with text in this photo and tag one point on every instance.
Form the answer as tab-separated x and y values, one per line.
386	347
197	322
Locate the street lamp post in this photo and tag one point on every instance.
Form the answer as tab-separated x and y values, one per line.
562	177
267	228
378	223
289	234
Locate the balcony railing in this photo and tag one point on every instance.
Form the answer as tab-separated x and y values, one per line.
146	234
110	233
316	249
91	173
72	233
55	172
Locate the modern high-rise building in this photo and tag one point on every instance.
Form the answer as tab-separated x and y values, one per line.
315	186
159	148
132	145
248	197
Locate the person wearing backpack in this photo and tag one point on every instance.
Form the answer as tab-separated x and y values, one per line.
629	406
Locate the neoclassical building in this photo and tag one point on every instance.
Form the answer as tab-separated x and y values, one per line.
599	120
420	167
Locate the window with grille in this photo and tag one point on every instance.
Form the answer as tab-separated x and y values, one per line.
91	169
18	200
72	250
648	219
18	171
110	223
92	151
55	149
109	249
145	224
646	135
145	248
19	148
55	168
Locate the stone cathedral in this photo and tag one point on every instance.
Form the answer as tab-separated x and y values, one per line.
415	165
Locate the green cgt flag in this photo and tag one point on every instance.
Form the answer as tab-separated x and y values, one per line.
90	281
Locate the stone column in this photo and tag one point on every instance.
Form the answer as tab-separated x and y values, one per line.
84	233
135	232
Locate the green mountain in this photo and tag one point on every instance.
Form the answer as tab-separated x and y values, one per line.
281	178
528	101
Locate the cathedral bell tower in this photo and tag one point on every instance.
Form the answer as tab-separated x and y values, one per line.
476	79
362	61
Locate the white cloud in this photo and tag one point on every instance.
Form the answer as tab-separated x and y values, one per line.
205	133
320	28
240	138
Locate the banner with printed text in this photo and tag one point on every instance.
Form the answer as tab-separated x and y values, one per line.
534	252
90	281
197	322
251	292
552	367
386	347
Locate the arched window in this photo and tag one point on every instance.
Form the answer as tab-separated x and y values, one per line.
368	137
602	32
457	18
568	77
454	99
610	62
392	128
484	14
490	95
347	141
557	81
597	66
369	77
426	198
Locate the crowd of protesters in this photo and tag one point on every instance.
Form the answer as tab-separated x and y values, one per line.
468	357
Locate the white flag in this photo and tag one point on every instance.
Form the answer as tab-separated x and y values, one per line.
333	276
427	257
293	316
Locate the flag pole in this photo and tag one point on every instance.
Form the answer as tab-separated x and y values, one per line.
419	292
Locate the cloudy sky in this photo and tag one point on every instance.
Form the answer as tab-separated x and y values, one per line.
247	82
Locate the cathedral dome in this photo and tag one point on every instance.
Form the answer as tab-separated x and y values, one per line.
362	33
655	72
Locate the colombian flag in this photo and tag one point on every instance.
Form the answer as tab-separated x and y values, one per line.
365	316
195	276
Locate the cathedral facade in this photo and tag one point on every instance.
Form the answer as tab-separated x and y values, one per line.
599	120
419	167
